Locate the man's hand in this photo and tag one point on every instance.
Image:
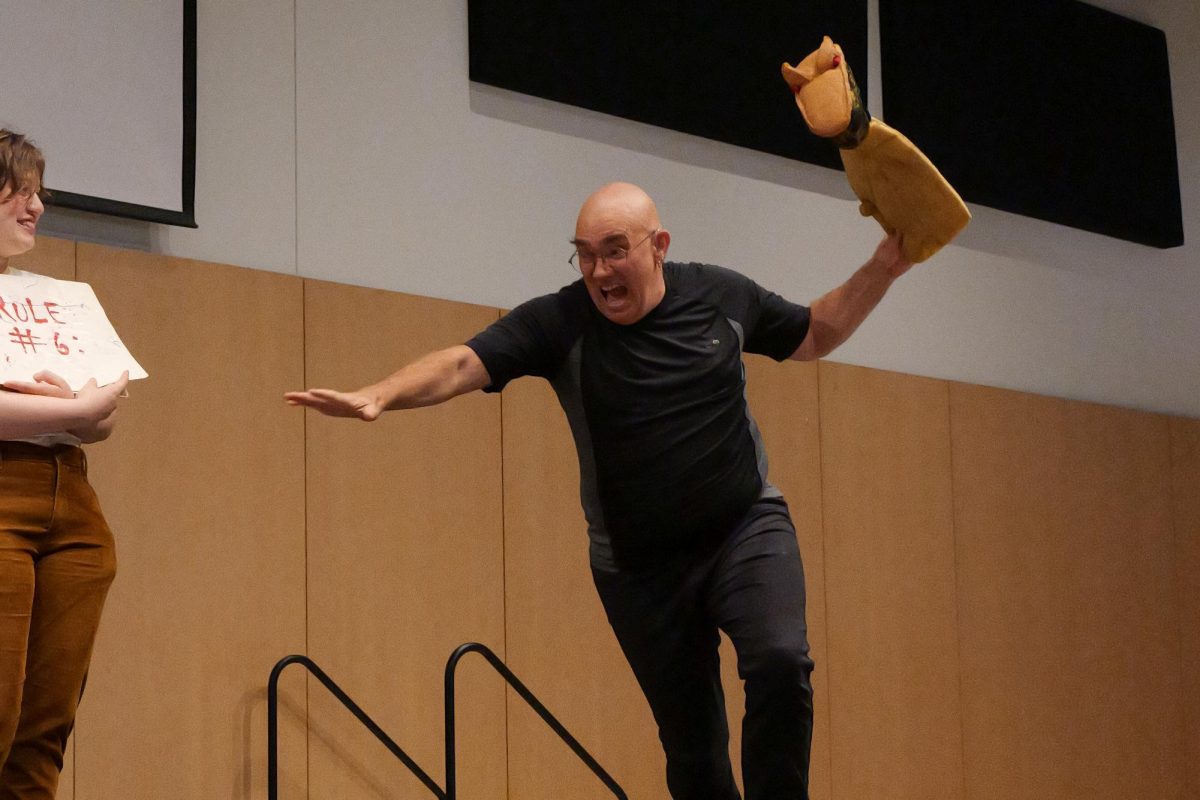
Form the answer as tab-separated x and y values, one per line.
337	404
838	313
889	256
431	379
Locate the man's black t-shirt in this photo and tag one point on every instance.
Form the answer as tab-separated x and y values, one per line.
669	454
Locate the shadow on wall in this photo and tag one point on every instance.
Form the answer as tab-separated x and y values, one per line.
324	737
1008	235
82	226
994	232
683	148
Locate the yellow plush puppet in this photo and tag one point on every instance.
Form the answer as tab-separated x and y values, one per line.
895	182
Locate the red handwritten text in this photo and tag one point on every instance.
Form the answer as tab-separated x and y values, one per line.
28	311
27	340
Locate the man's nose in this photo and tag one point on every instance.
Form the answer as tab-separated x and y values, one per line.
35	205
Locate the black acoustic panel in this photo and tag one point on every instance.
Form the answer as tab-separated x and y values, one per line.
1052	109
707	67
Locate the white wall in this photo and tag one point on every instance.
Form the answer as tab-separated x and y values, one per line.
343	141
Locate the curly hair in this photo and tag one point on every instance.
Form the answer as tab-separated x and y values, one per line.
21	163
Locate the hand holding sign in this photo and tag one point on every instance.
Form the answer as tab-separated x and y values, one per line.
45	383
89	413
100	404
58	328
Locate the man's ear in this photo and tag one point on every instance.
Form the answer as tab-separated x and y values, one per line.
662	240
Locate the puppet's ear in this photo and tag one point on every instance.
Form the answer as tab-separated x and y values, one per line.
823	88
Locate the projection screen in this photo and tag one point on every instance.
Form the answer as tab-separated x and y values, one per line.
107	89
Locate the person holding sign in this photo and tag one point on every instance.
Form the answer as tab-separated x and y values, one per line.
57	557
688	536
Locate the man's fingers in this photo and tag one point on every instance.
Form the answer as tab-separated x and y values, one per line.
332	403
305	398
315	396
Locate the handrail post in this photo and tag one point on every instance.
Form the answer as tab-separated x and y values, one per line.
351	706
451	783
273	727
530	700
451	790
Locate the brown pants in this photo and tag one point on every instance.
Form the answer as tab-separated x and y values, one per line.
56	563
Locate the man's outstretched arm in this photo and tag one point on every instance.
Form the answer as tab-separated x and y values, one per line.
838	313
429	380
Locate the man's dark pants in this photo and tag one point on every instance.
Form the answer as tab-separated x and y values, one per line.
667	617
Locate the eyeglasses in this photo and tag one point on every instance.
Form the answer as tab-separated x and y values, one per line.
585	261
23	194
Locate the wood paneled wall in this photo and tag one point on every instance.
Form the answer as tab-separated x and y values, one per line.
1069	602
890	578
1002	588
204	486
1185	474
405	552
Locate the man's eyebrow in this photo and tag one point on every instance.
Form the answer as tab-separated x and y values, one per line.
609	239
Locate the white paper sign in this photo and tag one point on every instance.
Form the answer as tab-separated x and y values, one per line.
59	326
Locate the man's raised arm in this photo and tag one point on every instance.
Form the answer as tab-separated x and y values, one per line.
837	314
429	380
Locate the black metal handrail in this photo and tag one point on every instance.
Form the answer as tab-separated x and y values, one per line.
336	691
527	696
450	793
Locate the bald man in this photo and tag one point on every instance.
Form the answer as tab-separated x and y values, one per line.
687	535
